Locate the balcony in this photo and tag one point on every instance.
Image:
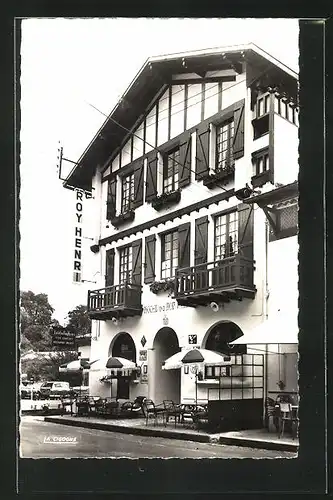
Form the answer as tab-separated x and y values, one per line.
223	281
117	301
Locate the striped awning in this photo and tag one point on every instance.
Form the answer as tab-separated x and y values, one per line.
76	365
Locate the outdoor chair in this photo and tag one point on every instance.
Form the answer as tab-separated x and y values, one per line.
172	410
286	415
271	414
152	411
67	403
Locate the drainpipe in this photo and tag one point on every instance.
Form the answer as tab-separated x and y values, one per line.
265	304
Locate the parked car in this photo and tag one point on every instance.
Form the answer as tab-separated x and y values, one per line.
54	389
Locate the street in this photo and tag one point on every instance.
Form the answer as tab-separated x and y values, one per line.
39	439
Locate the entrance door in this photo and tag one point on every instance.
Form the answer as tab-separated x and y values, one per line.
123	388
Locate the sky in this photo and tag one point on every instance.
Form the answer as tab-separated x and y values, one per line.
68	64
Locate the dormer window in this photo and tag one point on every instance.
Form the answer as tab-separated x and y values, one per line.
171	171
127	193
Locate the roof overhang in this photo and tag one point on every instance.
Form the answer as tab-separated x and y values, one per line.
276	195
153	78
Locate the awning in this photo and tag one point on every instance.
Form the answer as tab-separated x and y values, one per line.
276	330
205	356
76	365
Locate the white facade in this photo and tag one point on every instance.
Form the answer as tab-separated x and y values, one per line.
184	106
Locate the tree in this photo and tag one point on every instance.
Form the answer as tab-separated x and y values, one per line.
36	319
79	321
46	368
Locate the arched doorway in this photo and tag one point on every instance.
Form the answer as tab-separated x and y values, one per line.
123	346
219	336
166	382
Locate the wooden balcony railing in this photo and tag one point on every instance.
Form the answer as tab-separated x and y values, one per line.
116	300
232	274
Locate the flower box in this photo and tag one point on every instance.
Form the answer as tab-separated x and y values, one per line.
221	177
163	286
166	199
123	218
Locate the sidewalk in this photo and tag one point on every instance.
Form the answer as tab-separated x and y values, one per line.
259	438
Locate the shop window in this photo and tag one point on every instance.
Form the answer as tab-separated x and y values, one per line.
171	171
127	193
224	146
226	236
125	265
169	254
212	372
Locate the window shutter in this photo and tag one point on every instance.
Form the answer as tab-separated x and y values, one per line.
150	258
111	199
138	184
151	184
137	262
238	143
185	162
202	152
245	230
184	245
201	240
109	267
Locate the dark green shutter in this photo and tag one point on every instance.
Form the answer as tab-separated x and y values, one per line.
245	230
109	268
238	142
185	162
202	152
111	199
137	262
138	184
201	240
184	232
150	258
151	184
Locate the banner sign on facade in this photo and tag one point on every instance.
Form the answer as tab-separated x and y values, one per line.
63	338
77	265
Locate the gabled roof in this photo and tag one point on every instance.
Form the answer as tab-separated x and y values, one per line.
156	74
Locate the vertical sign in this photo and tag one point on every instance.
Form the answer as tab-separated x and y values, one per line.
77	265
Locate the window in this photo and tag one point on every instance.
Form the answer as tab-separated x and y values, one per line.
171	169
260	162
224	146
262	105
226	232
217	371
169	254
125	266
127	194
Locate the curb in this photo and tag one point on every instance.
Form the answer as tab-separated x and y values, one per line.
105	426
257	443
200	438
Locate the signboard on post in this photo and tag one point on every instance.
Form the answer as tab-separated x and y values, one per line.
63	338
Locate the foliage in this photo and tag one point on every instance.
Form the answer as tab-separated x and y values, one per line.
36	319
46	368
163	286
79	321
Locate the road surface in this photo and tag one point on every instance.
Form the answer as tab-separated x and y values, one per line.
39	439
